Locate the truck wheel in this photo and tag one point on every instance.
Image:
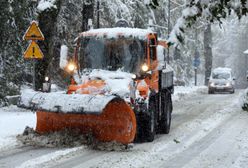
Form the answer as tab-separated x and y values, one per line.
166	107
149	129
146	123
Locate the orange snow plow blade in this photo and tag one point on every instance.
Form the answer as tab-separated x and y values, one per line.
116	122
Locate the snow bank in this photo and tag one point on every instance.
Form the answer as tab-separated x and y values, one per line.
68	138
65	138
243	100
12	122
66	103
46	4
180	92
63	56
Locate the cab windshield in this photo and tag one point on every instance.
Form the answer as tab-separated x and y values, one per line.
111	54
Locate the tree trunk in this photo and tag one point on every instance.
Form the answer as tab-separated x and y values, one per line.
208	52
87	13
47	23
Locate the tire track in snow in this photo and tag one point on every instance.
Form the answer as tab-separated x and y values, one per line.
185	111
76	161
15	157
14	151
163	148
198	129
211	139
38	162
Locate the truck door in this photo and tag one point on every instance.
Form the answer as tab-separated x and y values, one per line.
152	61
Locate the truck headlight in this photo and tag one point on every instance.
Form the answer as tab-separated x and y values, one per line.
144	67
71	67
134	76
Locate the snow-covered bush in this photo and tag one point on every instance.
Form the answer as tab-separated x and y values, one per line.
244	100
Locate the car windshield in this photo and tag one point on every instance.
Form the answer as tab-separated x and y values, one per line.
112	54
222	75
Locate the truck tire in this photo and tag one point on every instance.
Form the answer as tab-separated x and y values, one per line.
149	129
146	126
166	107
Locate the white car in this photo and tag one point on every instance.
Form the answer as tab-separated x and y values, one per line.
221	80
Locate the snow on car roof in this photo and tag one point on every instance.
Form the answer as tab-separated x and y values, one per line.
222	70
118	32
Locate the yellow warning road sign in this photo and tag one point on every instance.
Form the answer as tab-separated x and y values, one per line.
33	51
33	32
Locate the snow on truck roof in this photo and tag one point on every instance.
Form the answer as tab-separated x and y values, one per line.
117	32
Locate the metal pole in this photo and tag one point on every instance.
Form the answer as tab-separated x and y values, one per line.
33	74
168	51
195	76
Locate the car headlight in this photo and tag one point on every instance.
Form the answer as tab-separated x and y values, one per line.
212	84
228	84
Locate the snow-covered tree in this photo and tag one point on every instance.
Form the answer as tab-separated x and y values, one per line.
14	17
229	43
210	10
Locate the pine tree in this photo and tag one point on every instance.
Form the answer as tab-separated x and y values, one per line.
13	70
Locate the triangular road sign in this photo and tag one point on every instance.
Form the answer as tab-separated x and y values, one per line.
33	32
33	51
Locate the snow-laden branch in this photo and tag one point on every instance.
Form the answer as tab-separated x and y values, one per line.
46	4
209	10
177	33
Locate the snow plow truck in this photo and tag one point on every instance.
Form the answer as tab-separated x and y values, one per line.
120	88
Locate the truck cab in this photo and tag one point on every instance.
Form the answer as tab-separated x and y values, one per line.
132	51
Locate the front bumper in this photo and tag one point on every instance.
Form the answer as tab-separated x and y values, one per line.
221	88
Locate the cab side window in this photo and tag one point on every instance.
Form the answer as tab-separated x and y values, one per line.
152	44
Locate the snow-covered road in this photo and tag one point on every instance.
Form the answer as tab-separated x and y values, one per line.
207	131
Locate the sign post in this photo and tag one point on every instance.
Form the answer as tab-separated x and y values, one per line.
195	76
196	63
33	51
33	73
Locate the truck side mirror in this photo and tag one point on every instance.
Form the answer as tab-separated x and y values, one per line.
63	61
